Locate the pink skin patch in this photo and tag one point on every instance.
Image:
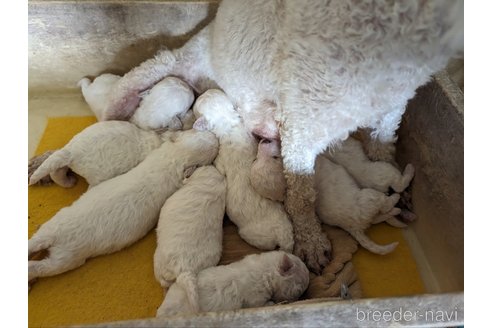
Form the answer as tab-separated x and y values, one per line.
200	124
124	108
266	132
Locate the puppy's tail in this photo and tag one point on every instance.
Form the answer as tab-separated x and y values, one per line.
188	281
59	159
371	246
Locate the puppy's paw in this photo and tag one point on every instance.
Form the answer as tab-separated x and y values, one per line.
33	165
30	283
409	172
407	216
314	249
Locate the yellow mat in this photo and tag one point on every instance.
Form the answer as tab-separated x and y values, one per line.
121	286
393	274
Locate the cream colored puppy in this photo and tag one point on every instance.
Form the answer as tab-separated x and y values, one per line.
162	106
100	152
340	201
256	280
119	211
377	175
267	176
262	223
189	232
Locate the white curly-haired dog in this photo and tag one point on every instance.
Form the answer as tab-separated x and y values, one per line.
118	212
329	66
254	281
189	232
99	152
340	200
163	106
262	223
377	175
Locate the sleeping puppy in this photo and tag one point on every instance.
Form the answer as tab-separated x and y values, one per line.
328	67
189	232
340	200
377	175
342	203
118	212
257	280
163	106
100	152
267	172
262	223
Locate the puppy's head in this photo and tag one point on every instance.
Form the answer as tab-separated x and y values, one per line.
269	149
290	279
267	172
214	112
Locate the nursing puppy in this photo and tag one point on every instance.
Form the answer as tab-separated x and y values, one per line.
118	212
267	172
340	201
162	106
255	281
268	182
262	223
189	232
330	67
100	152
377	175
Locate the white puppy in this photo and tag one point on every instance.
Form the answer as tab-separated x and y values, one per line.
165	105
119	211
377	175
189	232
267	176
256	280
162	106
100	152
340	201
262	223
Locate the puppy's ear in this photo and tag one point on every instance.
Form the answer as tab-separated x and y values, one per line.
201	124
286	266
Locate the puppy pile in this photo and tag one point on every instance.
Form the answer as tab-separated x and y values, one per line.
180	171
